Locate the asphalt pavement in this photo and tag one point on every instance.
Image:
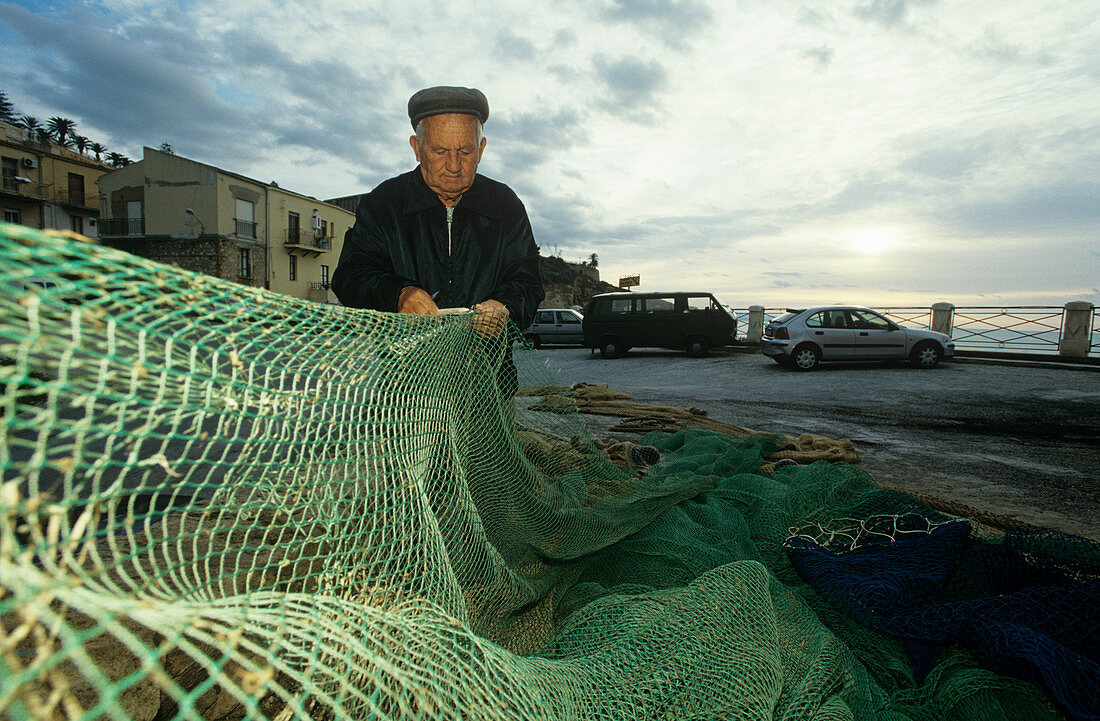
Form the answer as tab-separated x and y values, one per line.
1021	440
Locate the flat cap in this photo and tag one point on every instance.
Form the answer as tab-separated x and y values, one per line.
447	99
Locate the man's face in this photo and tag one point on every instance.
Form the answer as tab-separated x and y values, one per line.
449	154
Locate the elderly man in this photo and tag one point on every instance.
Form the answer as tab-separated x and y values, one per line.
440	235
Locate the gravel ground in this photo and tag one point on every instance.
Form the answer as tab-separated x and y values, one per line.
1018	440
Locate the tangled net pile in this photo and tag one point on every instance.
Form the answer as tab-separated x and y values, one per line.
222	503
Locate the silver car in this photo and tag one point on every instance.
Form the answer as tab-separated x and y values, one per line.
555	325
805	338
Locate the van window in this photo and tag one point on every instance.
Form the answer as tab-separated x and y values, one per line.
615	305
657	305
702	303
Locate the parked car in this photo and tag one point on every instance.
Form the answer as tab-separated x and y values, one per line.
692	321
555	325
804	338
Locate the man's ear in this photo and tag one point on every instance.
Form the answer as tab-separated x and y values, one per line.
415	143
481	149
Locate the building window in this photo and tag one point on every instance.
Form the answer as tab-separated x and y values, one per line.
294	267
246	263
246	215
76	189
11	169
293	228
77	224
324	276
13	215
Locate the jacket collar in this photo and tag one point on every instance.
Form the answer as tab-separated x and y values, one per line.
421	197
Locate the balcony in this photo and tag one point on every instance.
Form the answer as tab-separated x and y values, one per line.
245	228
73	197
306	242
120	227
20	185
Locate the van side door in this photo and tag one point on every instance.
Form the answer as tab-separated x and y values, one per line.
659	323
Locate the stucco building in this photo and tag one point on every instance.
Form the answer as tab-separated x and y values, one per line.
46	185
176	210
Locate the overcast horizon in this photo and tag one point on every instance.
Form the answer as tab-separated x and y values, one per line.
889	152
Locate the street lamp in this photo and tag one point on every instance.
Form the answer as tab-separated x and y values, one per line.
202	228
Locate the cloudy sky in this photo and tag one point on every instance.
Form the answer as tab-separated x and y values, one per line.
888	152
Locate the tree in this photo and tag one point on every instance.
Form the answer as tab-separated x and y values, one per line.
32	126
99	149
115	158
61	129
7	110
166	148
81	143
593	260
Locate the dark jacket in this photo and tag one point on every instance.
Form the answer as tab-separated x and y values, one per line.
400	239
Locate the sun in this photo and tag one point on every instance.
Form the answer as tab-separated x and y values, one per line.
873	240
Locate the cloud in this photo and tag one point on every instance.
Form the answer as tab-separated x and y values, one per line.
674	21
632	85
1070	207
515	48
137	90
888	13
822	55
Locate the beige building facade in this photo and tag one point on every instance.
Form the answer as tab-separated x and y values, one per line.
209	220
46	185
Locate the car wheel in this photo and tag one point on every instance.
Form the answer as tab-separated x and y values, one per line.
532	340
926	355
611	348
696	347
806	357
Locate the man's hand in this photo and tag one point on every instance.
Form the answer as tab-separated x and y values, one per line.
416	300
490	319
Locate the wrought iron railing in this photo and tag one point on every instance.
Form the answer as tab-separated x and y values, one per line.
245	228
308	239
120	226
72	197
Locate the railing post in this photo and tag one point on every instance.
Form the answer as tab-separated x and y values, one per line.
1076	329
756	324
943	318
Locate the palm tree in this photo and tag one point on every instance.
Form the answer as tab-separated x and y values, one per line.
99	149
62	129
593	260
31	124
118	159
81	143
167	148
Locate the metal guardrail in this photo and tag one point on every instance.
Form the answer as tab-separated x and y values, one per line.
108	227
1031	329
1019	329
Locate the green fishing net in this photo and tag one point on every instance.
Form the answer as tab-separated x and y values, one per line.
218	502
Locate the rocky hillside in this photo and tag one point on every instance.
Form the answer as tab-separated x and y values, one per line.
570	284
